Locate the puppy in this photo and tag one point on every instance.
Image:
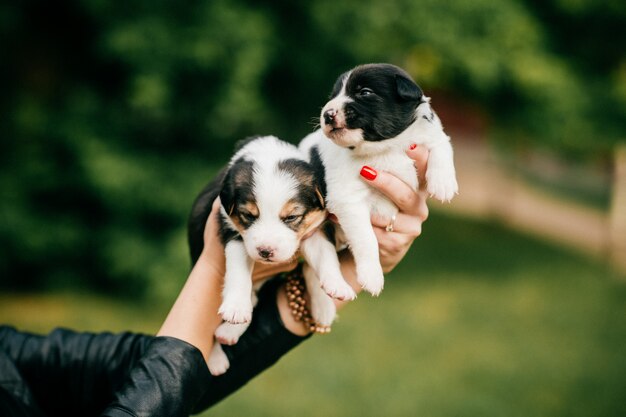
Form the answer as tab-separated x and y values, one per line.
375	112
270	200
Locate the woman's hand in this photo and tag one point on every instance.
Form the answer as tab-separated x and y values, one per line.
213	250
413	212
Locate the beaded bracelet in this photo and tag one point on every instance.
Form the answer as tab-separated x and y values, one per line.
295	290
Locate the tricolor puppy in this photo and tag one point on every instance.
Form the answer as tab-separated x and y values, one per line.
270	200
375	112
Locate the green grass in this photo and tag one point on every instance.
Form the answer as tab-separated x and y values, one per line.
477	321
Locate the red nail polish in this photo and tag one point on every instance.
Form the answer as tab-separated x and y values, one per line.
413	146
368	173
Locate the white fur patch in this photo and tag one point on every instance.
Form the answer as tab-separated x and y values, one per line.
272	189
218	362
236	303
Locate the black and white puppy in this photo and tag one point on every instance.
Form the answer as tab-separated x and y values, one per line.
375	112
270	200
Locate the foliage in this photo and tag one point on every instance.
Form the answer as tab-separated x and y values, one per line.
114	114
509	56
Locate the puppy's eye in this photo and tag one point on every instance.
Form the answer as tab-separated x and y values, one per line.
247	217
364	92
293	218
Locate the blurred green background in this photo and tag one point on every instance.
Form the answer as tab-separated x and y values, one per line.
115	114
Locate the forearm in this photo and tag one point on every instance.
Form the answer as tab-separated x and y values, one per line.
193	318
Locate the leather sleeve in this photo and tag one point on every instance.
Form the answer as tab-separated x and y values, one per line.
167	381
172	378
127	374
72	373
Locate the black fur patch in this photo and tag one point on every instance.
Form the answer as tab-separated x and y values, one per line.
329	231
318	169
226	232
307	180
237	184
243	142
338	85
385	99
238	190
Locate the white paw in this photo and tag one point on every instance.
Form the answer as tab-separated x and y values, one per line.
338	288
370	276
236	310
323	309
229	334
441	184
218	361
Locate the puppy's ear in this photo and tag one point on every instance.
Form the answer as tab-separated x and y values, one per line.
407	89
320	197
227	198
227	194
237	182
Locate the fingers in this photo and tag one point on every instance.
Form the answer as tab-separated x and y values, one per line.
419	155
407	200
404	224
212	219
263	271
212	223
392	242
213	249
396	190
392	247
216	205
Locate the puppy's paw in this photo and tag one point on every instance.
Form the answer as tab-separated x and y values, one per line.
229	334
370	277
236	311
218	361
338	288
323	309
441	184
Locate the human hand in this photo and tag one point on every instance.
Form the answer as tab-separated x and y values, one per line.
213	250
413	211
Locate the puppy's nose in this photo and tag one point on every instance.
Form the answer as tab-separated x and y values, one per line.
329	116
265	252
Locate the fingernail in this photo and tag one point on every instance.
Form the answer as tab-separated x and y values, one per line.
412	146
368	173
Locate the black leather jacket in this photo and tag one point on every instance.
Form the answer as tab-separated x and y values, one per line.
88	374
